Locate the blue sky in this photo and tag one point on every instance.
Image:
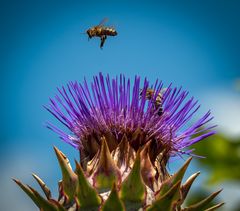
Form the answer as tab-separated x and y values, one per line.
190	43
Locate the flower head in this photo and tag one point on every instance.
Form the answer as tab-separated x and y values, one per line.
114	108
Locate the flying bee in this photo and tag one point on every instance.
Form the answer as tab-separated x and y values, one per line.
158	101
101	31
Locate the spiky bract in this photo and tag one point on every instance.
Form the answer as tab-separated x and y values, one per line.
125	137
103	186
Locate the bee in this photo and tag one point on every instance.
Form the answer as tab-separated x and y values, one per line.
158	101
101	31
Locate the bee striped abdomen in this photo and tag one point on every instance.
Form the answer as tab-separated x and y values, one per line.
109	32
158	104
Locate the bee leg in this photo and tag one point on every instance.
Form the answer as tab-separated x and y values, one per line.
102	42
103	38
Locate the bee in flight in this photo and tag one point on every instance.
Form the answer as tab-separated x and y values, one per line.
101	31
158	101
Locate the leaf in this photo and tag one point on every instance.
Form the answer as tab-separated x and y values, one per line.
202	204
37	198
187	185
44	187
147	169
178	176
44	204
106	172
113	202
132	191
86	194
28	191
69	178
215	207
167	201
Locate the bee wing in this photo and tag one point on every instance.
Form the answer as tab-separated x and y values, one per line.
103	22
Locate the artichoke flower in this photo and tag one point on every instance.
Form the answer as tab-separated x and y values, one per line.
125	135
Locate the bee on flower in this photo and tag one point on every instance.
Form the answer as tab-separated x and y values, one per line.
125	142
157	101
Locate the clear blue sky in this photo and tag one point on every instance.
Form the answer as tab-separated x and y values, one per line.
190	43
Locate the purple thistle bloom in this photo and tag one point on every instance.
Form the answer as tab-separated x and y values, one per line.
112	108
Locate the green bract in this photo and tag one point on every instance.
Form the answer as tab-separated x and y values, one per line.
108	183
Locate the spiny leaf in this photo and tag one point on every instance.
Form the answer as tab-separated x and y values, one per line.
92	164
120	154
86	194
69	180
202	204
113	202
215	207
124	155
44	204
58	205
187	185
106	172
133	188
178	176
44	187
168	200
111	141
28	191
147	170
41	203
